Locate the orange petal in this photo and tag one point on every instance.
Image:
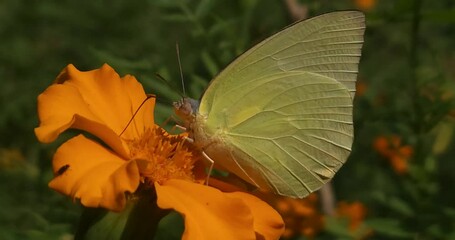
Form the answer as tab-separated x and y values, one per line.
208	212
381	144
406	151
97	101
399	164
355	212
87	171
361	88
267	222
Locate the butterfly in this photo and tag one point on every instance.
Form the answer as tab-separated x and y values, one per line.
280	115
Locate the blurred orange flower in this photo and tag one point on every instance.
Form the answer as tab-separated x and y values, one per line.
391	148
361	87
138	152
301	216
365	5
355	213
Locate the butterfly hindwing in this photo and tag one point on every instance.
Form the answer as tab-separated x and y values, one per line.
297	137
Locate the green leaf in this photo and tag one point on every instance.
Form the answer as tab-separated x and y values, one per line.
337	226
204	8
209	63
444	133
441	16
389	227
400	206
198	86
176	18
139	220
170	227
162	89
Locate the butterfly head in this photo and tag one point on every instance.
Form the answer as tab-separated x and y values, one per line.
186	108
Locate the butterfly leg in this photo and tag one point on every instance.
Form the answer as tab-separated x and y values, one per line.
190	140
179	127
175	121
210	168
168	119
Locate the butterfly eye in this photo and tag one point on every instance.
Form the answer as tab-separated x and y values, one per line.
178	104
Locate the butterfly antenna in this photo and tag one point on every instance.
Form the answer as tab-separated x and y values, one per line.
180	67
169	84
137	110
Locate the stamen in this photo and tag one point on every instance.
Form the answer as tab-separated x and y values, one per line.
166	156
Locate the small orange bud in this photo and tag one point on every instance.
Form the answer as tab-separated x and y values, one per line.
361	88
355	212
399	164
406	151
283	206
365	5
381	144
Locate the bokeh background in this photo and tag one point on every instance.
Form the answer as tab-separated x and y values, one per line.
398	182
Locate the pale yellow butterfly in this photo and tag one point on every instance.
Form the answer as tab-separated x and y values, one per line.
280	115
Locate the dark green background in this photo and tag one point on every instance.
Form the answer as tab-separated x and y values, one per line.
408	66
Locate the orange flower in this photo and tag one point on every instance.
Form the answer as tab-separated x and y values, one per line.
355	213
365	5
391	148
361	88
101	103
301	216
381	144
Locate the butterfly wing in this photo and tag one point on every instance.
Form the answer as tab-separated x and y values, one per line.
282	111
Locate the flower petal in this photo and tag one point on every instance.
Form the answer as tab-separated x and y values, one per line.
97	101
267	222
87	171
208	212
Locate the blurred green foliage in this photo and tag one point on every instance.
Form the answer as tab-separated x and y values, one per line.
406	76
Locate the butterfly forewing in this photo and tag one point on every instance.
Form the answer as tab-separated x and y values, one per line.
328	44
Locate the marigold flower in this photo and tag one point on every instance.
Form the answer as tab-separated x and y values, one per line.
355	212
135	153
365	5
391	148
381	144
361	88
301	216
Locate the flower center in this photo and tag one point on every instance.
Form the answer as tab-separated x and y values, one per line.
162	156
